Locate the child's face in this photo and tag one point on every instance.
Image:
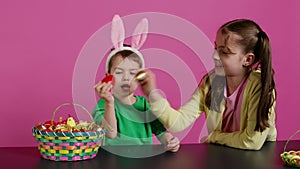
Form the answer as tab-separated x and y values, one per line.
124	71
229	56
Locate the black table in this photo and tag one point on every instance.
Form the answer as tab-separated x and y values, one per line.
190	156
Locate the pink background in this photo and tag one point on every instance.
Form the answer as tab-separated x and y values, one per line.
40	42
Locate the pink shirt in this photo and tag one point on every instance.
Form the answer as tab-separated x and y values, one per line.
231	114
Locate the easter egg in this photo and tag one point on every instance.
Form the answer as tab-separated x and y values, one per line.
108	78
141	75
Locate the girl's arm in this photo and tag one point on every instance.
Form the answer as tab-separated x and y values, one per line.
247	138
175	120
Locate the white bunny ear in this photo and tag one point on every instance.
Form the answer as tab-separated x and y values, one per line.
117	32
140	34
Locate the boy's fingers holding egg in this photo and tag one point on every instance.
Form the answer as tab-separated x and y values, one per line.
98	87
105	84
106	87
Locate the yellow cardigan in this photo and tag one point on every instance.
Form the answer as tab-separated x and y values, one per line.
245	138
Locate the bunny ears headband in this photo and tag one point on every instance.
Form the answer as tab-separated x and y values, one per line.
118	35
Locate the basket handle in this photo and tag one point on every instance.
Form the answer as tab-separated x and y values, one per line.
70	104
290	139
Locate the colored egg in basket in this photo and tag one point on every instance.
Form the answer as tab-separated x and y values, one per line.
291	158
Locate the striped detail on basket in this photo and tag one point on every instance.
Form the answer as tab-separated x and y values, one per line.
70	147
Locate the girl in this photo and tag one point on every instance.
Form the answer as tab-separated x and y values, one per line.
238	96
125	116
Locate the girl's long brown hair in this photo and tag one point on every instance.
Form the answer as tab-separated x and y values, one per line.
254	40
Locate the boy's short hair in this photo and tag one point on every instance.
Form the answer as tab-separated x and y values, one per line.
124	54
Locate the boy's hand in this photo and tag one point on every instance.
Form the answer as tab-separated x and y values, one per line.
173	144
103	90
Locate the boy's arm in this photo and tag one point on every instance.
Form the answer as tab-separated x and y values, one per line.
110	122
105	116
171	143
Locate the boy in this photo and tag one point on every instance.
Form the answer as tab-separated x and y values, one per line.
124	115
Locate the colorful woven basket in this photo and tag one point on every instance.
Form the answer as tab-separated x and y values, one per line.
68	146
291	158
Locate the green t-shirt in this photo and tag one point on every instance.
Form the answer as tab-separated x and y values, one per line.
135	123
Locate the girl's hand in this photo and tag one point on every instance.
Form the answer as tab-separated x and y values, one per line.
173	144
148	83
103	90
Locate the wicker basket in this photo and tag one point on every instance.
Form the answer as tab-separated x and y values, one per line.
291	158
68	146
